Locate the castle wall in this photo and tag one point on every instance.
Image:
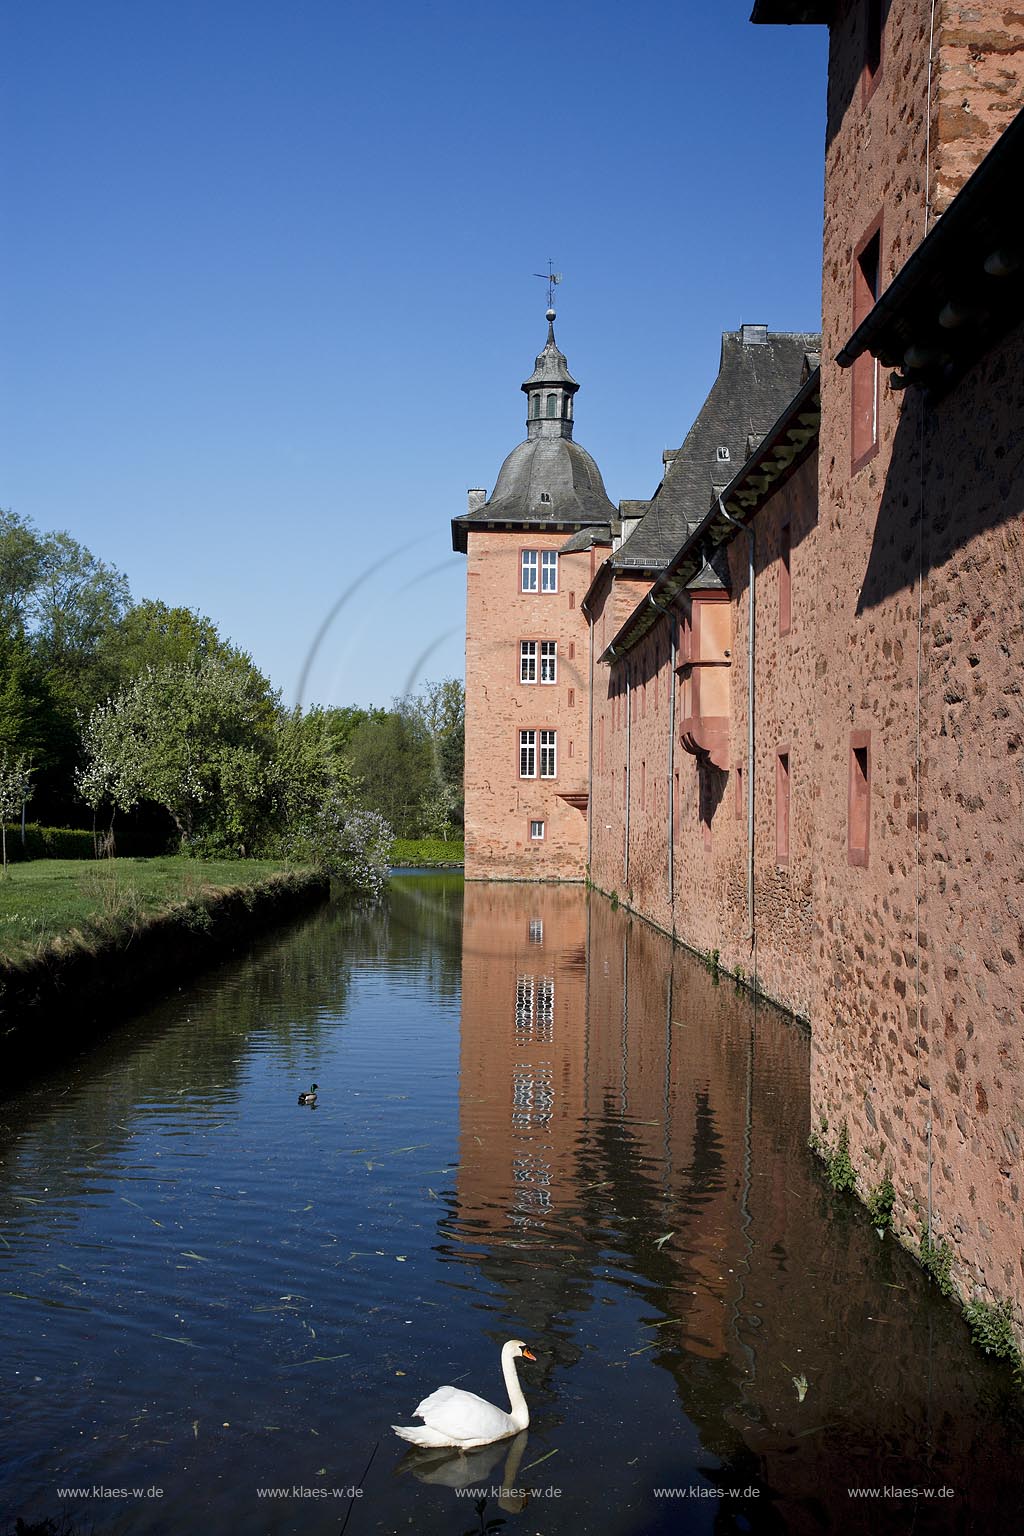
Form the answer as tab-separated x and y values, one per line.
919	635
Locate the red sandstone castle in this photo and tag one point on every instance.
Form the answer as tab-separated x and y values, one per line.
779	707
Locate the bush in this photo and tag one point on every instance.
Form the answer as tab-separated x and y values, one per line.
48	843
426	850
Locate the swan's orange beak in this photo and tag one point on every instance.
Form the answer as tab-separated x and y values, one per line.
529	1355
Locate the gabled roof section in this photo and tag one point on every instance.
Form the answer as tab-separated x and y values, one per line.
758	373
784	448
963	288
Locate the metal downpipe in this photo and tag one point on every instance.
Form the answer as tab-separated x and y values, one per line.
751	632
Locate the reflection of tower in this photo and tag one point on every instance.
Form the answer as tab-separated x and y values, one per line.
531	552
522	1080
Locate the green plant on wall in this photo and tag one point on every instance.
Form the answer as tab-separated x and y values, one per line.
937	1261
880	1201
839	1169
991	1325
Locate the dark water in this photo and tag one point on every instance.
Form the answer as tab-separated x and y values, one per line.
537	1122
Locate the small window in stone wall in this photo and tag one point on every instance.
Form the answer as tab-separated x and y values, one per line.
867	268
785	587
875	14
859	814
739	790
536	832
782	807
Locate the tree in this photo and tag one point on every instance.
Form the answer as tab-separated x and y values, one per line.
152	634
21	565
442	708
392	757
15	789
197	741
76	600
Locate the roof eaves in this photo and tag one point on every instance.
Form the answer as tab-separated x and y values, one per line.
963	287
791	12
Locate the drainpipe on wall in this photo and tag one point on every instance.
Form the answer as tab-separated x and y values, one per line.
749	531
671	770
629	773
663	609
590	756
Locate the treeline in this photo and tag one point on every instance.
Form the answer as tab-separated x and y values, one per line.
139	720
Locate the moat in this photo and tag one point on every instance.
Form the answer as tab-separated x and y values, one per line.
535	1120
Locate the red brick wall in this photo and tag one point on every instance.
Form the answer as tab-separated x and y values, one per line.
710	867
499	804
611	605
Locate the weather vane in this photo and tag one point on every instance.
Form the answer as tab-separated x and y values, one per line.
552	278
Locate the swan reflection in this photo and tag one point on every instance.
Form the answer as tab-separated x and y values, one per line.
445	1467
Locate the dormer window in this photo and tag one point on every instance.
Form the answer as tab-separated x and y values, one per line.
545	498
723	455
552	405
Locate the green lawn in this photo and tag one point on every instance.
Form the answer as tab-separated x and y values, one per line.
45	898
426	850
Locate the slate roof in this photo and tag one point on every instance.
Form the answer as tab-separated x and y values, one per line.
586	538
553	466
783	448
756	380
551	366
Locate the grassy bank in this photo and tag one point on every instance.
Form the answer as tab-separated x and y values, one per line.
81	901
87	944
426	851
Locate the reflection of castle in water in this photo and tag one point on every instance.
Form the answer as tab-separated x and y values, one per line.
633	1133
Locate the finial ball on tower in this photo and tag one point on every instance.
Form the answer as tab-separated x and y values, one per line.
550	315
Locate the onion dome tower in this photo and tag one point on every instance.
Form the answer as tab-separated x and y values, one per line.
547	482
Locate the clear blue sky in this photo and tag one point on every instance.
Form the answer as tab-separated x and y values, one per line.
267	291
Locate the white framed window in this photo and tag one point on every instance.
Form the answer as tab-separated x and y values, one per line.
548	763
548	571
536	831
527	661
524	1002
549	661
537	926
529	570
545	999
528	755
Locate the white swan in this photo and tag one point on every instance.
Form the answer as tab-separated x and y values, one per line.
453	1417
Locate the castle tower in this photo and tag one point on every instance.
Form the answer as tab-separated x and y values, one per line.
532	548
